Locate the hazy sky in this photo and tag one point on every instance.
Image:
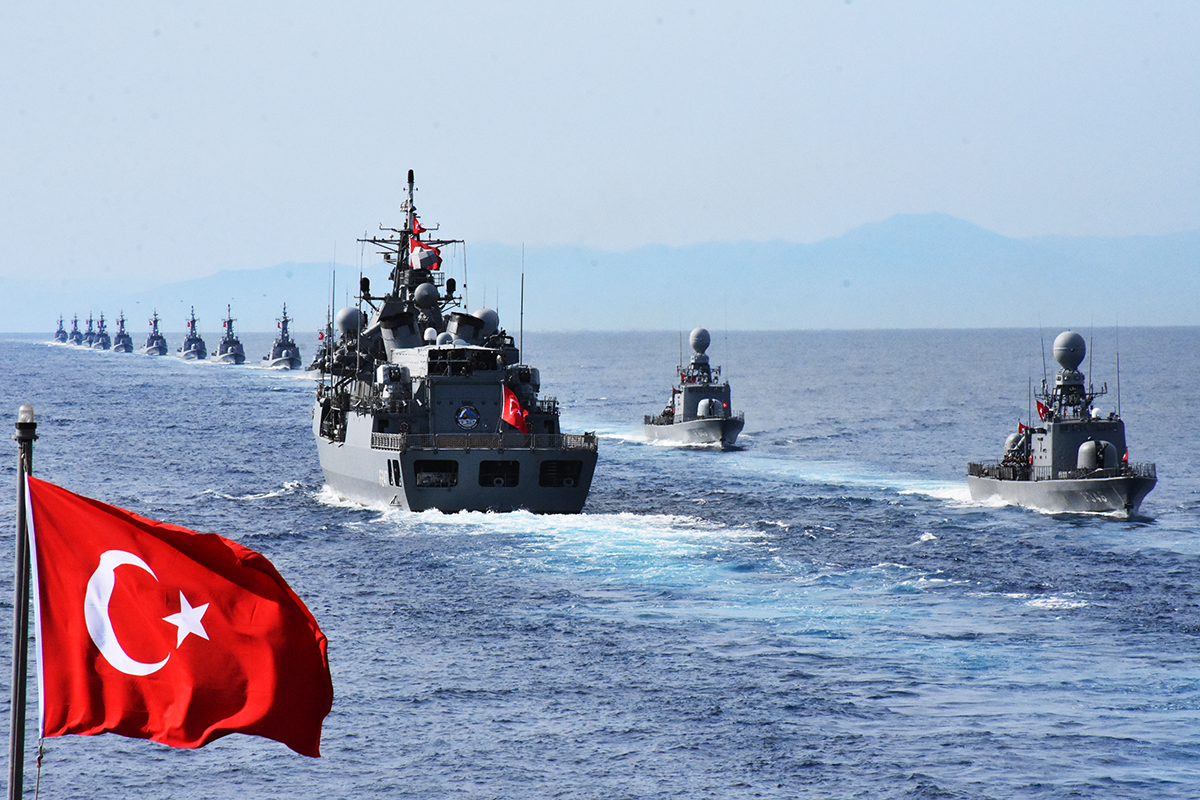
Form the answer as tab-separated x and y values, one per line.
151	138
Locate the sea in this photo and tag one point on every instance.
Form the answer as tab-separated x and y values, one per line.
821	612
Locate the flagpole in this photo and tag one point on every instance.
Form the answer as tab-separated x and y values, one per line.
25	435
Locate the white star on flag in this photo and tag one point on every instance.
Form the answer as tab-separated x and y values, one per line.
188	620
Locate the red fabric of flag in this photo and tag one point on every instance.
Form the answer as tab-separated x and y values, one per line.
415	246
149	630
1042	410
513	414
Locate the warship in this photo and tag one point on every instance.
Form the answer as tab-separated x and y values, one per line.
1074	458
229	350
75	337
285	354
193	346
89	336
424	407
60	335
102	341
324	348
699	411
156	343
122	342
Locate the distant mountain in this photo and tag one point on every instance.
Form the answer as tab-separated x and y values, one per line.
910	271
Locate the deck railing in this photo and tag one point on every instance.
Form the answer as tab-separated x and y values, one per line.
1006	472
484	441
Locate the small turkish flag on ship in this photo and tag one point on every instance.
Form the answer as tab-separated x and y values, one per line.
513	414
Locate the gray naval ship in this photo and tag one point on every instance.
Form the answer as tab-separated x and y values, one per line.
156	343
60	335
75	337
229	349
1074	459
193	348
122	342
285	353
422	407
700	410
102	340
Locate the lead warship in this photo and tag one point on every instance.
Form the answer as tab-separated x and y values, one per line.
285	353
229	349
699	411
1074	458
60	335
156	343
424	408
122	342
193	346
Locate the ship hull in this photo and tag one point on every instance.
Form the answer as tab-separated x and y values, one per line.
230	358
454	478
154	350
282	363
1123	493
698	431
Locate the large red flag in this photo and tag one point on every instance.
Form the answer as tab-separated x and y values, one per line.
153	631
513	414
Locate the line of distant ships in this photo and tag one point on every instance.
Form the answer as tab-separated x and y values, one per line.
421	406
285	354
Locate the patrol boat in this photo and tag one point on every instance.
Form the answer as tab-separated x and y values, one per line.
1074	459
193	346
285	354
122	342
75	337
229	350
60	335
423	407
324	348
699	411
89	338
156	343
102	340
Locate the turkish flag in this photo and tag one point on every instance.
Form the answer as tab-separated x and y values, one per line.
153	631
513	414
416	246
1042	410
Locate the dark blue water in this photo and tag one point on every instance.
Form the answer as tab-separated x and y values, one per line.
822	613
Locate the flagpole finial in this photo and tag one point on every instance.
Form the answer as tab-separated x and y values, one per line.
26	427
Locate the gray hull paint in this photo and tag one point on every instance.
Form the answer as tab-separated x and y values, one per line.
698	431
356	471
1123	494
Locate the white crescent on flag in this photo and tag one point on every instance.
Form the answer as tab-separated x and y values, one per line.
99	623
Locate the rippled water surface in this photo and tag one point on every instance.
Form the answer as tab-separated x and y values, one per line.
820	613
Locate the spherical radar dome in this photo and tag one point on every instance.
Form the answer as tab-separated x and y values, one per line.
425	295
700	340
491	321
1069	350
348	320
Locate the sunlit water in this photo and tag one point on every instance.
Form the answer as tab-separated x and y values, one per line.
823	612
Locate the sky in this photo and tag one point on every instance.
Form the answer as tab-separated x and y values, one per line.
147	141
